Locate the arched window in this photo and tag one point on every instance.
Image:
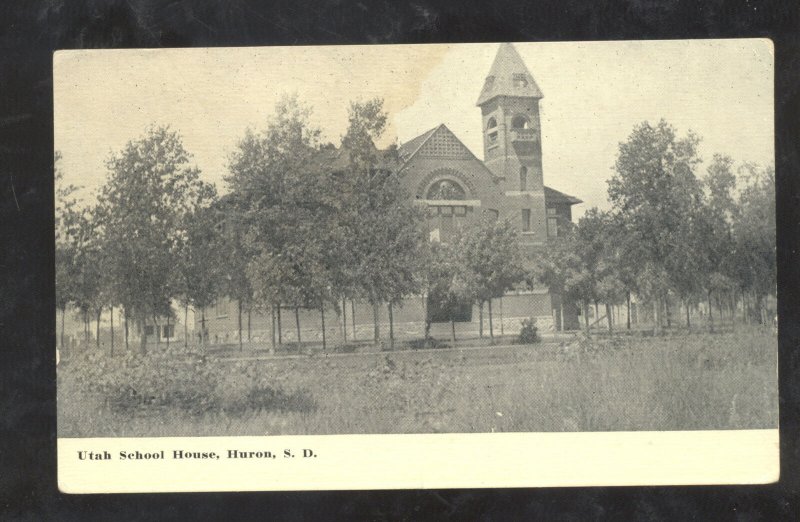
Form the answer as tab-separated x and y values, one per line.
491	124
519	122
523	178
446	189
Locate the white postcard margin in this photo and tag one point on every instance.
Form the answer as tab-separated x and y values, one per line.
424	461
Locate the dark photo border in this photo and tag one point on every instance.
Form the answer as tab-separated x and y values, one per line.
30	31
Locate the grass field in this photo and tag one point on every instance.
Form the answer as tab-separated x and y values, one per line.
689	382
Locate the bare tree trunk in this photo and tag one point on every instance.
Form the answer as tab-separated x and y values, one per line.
353	316
596	311
186	325
628	298
272	330
667	312
112	331
427	331
376	331
157	331
710	315
297	322
561	316
167	332
203	328
97	327
142	336
586	316
501	317
126	330
480	319
391	326
322	315
608	317
491	320
688	322
656	316
280	326
63	314
239	319
452	332
744	307
344	321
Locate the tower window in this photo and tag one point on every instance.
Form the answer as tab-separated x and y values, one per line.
526	220
492	123
519	122
520	81
523	178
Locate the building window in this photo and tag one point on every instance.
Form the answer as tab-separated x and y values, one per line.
492	138
552	226
523	178
148	330
551	211
493	213
460	211
446	189
520	81
168	331
526	220
519	122
491	124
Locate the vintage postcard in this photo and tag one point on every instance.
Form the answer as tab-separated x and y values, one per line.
416	266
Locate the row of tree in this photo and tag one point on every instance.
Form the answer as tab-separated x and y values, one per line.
304	225
308	225
671	234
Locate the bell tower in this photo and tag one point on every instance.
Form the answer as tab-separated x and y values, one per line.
512	145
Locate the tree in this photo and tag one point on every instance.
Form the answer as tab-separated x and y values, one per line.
651	193
143	207
754	235
450	282
68	242
380	250
199	263
496	260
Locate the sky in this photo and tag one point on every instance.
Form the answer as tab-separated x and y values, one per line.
594	94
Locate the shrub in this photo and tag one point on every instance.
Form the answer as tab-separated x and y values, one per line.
528	334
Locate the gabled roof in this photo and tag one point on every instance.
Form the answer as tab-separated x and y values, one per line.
500	81
408	149
412	147
554	196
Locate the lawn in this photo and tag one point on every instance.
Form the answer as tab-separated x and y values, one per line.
681	382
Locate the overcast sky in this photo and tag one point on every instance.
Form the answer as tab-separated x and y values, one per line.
594	93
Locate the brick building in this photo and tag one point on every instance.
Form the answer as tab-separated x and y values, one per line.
456	187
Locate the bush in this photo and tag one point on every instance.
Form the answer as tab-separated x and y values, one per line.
528	334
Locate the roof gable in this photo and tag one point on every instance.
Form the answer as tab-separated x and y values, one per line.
508	77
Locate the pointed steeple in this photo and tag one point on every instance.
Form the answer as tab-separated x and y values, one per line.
508	77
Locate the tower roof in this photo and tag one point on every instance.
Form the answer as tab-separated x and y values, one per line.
508	77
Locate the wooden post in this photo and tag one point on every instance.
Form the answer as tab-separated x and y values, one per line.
344	321
376	331
272	330
186	325
126	330
561	311
239	319
353	316
280	327
501	317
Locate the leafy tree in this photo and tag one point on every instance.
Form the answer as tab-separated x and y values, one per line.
199	262
494	256
383	237
754	234
143	207
450	282
68	242
651	192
